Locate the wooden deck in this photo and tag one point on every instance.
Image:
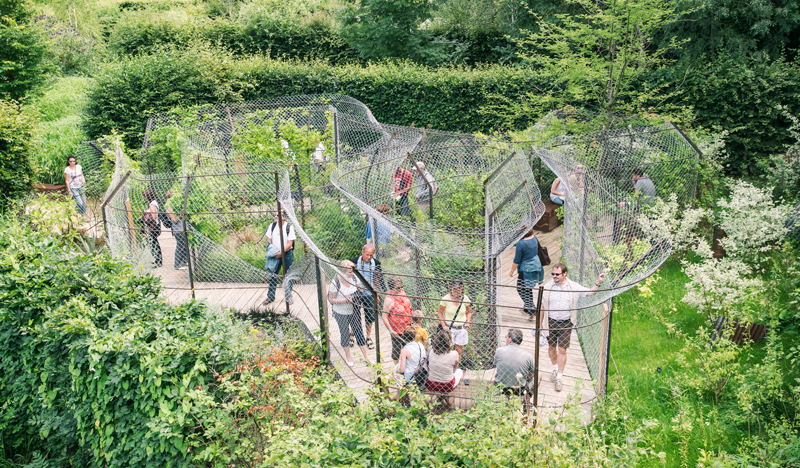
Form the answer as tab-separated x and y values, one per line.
361	376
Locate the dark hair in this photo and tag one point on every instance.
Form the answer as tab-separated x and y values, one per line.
638	171
408	334
149	194
530	233
562	267
394	282
71	157
516	335
442	342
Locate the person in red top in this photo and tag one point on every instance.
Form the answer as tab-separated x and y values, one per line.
396	315
403	180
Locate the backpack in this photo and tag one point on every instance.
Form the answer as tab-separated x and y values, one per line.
150	223
421	374
272	226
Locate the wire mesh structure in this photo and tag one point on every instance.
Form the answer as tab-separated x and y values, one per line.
441	213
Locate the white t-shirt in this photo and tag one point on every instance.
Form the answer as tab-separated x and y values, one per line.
76	179
319	153
274	234
344	290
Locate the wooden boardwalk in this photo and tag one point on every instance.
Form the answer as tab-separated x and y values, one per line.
361	376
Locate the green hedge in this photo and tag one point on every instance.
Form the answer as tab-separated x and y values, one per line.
16	150
741	95
97	370
127	91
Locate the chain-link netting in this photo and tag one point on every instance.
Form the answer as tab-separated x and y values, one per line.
441	213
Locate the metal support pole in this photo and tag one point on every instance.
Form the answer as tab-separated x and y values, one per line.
107	200
323	322
336	133
583	222
185	217
375	311
302	201
417	300
536	344
283	243
608	344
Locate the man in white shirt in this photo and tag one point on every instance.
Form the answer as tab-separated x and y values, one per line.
284	255
560	300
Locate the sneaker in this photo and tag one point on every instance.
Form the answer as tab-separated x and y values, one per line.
290	300
554	376
268	301
181	268
559	385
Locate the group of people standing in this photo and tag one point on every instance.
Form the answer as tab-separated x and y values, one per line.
350	300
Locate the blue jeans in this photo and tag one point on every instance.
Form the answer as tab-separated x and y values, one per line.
273	279
557	199
528	279
80	199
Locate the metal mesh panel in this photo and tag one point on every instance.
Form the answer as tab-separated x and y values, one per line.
341	177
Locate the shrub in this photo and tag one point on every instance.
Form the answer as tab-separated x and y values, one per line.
24	58
127	91
97	369
16	146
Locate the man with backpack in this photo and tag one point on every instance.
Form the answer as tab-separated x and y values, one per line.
281	235
370	269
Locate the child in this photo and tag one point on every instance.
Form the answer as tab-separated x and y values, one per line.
416	321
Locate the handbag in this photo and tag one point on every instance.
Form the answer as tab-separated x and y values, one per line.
421	374
439	327
544	257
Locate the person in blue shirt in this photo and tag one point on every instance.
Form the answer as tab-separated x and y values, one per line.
531	272
383	233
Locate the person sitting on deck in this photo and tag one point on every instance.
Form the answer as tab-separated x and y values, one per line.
443	372
514	366
556	192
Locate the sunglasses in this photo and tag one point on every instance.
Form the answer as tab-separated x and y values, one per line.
556	274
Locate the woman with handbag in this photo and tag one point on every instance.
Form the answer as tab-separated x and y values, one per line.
342	296
531	272
151	226
455	315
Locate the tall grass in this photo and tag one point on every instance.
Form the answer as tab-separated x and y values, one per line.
644	369
59	131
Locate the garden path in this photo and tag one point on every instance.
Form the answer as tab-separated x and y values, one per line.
360	376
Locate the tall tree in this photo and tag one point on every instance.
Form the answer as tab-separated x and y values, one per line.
600	56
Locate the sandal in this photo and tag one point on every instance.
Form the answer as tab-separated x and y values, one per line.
370	344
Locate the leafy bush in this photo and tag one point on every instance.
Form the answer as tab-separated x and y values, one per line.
16	146
127	91
97	369
24	58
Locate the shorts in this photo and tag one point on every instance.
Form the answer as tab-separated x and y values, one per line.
440	387
560	333
368	304
460	336
397	346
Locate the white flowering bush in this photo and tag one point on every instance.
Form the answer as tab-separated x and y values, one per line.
753	223
668	220
722	287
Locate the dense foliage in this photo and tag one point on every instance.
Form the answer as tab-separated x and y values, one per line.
16	146
97	369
